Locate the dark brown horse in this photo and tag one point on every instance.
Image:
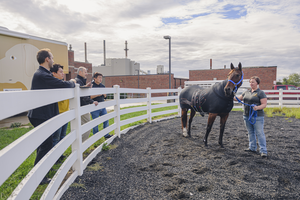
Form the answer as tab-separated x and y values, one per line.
216	101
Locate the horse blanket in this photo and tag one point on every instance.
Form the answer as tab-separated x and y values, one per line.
212	100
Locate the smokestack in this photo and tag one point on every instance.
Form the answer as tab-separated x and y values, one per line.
224	66
85	53
210	63
126	49
104	53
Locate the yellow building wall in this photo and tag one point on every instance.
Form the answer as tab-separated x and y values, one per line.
18	60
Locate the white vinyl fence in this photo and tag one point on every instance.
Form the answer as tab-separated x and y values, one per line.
15	102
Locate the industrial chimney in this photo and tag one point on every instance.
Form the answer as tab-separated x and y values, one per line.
126	49
210	63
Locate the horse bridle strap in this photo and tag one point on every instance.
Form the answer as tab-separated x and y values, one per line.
236	84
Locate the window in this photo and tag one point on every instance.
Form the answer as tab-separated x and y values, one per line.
292	88
281	87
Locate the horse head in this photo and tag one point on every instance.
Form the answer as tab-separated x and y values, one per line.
235	80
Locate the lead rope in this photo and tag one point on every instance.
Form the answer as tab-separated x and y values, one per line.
252	112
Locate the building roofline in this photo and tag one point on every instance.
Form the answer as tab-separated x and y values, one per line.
7	32
229	68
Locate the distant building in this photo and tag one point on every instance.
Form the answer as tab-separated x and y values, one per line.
266	74
118	67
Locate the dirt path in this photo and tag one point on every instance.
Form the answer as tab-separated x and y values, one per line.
154	161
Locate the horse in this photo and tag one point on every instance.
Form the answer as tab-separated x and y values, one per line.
216	101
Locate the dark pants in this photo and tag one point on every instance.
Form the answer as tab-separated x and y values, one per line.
46	146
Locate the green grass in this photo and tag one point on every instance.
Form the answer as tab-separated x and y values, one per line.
284	111
7	136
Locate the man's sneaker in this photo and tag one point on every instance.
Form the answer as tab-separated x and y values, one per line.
263	155
249	150
107	136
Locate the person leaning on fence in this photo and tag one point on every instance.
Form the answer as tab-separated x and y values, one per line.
81	80
259	98
63	106
43	79
97	83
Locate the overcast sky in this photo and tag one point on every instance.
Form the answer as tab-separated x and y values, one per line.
255	33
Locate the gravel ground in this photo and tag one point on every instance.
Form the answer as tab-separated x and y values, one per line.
154	161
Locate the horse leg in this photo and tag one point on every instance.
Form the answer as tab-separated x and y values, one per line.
193	112
184	121
210	122
223	120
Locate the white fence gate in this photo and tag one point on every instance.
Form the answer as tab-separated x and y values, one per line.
12	156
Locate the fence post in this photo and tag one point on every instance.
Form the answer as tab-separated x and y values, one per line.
280	97
149	105
76	125
117	110
179	109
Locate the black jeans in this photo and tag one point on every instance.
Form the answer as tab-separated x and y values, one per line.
46	146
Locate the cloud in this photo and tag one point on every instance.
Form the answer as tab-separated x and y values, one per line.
254	33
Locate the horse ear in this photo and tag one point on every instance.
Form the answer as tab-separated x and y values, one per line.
240	66
231	66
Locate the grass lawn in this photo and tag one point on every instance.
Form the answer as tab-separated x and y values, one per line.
7	136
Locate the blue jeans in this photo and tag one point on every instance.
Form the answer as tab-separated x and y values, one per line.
96	114
59	134
256	130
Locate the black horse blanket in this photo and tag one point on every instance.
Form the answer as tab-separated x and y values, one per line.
212	100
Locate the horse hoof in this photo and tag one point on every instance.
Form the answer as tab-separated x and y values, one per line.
184	132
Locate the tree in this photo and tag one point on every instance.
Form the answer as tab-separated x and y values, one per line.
292	79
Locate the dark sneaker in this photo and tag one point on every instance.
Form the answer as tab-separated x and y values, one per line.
263	155
45	181
107	136
249	150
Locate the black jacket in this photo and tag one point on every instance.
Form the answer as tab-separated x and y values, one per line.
43	79
99	98
83	100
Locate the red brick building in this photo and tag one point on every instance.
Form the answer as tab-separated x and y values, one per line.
155	81
74	65
266	74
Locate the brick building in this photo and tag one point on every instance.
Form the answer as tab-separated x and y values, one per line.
74	65
155	81
266	74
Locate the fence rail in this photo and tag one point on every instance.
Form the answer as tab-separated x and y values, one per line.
15	102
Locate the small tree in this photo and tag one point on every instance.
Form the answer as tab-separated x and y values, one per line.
292	79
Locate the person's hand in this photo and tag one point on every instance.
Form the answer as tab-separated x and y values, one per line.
96	103
89	84
255	108
73	80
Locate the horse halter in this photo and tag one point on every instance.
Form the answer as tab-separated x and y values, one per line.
236	84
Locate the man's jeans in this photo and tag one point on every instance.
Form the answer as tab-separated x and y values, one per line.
256	129
96	114
59	134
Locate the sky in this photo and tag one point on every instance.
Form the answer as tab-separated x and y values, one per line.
255	33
